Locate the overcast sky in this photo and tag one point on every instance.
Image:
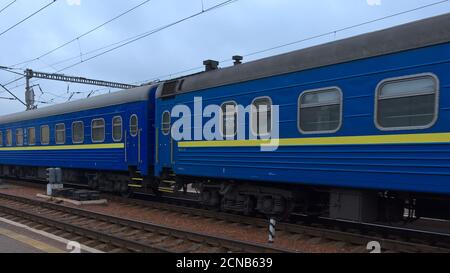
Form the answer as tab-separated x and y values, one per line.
243	27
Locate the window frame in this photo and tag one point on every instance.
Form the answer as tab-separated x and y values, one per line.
56	134
121	129
40	135
382	83
11	142
28	136
2	142
17	137
251	117
222	116
137	125
162	123
92	130
82	139
341	114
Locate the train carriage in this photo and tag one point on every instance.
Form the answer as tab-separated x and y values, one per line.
363	123
105	140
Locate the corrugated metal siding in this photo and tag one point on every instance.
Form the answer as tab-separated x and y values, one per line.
407	167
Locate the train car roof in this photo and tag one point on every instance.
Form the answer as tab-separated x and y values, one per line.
418	34
141	93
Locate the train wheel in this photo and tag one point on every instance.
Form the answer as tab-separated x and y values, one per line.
249	205
125	191
93	183
126	194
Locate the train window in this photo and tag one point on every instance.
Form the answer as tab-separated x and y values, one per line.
77	132
320	111
19	137
98	130
407	103
8	137
60	133
1	138
31	132
229	119
134	125
261	117
165	123
117	129
45	135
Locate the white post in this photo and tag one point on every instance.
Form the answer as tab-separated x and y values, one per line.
272	223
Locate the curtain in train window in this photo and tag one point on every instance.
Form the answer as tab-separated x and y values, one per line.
45	135
117	129
60	133
320	111
407	103
98	130
229	119
261	116
8	137
19	137
77	132
31	136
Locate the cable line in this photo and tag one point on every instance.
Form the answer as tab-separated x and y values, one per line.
144	35
84	34
306	39
28	17
7	6
12	94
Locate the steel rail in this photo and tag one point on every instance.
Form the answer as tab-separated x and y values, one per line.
232	245
351	232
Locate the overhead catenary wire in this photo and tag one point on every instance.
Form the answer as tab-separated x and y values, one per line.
305	39
345	28
252	53
12	94
7	6
133	39
9	69
28	17
302	40
84	34
144	35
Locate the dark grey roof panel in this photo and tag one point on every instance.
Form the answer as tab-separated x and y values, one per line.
427	32
125	96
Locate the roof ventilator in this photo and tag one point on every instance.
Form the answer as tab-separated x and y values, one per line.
211	65
237	59
169	89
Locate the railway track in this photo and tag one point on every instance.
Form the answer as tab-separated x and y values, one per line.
353	236
112	234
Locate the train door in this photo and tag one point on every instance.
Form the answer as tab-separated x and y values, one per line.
165	142
133	139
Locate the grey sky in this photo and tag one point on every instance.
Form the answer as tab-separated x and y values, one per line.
243	27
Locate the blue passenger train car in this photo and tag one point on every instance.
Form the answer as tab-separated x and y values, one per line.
363	123
106	140
359	129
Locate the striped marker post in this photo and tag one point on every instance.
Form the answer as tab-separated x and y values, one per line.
272	223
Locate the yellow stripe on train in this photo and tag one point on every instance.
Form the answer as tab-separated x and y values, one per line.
324	141
66	147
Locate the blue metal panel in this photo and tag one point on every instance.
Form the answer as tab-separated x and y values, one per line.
419	167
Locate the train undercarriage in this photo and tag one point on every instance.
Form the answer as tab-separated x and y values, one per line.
249	198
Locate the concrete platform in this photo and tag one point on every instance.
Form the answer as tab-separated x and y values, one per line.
17	238
14	239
